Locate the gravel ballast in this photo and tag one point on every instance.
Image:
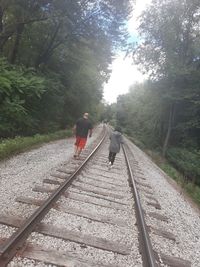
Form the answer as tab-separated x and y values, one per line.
184	218
30	168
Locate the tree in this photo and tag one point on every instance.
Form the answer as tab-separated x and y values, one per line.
18	88
15	15
170	54
69	45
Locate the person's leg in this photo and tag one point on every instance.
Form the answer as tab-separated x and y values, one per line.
113	158
81	145
76	146
109	156
75	151
79	149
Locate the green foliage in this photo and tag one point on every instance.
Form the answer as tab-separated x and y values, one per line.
10	147
18	87
62	51
138	112
171	40
169	53
172	172
51	27
163	113
108	113
143	114
186	161
192	190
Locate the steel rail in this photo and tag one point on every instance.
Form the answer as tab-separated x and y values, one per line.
148	254
16	241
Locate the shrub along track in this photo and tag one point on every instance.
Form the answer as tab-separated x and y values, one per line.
88	218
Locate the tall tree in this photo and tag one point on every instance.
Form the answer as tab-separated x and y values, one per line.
70	45
170	53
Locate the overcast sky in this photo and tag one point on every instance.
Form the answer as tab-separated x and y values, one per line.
124	73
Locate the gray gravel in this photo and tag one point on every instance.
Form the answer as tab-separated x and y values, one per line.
184	218
124	235
30	168
19	174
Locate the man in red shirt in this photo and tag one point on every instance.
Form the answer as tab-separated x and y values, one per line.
81	129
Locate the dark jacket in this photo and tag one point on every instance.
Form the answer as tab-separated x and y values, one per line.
115	141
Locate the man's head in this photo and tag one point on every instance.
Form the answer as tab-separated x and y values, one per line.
85	115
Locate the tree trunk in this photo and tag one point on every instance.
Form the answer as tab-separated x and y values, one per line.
167	137
44	56
4	37
1	19
19	31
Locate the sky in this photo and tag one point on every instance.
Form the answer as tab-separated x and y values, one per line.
124	72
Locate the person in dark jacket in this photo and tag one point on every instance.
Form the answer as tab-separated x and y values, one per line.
114	147
81	129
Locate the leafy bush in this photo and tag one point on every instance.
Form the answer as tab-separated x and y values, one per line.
18	88
188	162
190	188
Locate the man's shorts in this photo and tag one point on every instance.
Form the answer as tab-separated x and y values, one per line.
80	142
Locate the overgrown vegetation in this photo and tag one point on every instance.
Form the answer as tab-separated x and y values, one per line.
54	59
9	147
188	162
163	113
188	186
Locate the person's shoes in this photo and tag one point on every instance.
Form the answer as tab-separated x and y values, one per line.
110	165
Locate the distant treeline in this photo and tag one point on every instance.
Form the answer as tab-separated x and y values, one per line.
54	59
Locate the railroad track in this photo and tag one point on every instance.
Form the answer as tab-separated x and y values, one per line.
87	215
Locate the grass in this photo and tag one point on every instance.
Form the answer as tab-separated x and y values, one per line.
190	188
10	147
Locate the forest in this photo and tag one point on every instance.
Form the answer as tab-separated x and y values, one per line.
56	55
163	113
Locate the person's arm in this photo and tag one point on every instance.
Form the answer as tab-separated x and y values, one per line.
121	140
74	130
90	129
90	132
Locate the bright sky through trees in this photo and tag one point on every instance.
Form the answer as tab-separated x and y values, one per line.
124	73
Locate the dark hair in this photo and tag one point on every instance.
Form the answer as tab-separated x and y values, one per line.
117	128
